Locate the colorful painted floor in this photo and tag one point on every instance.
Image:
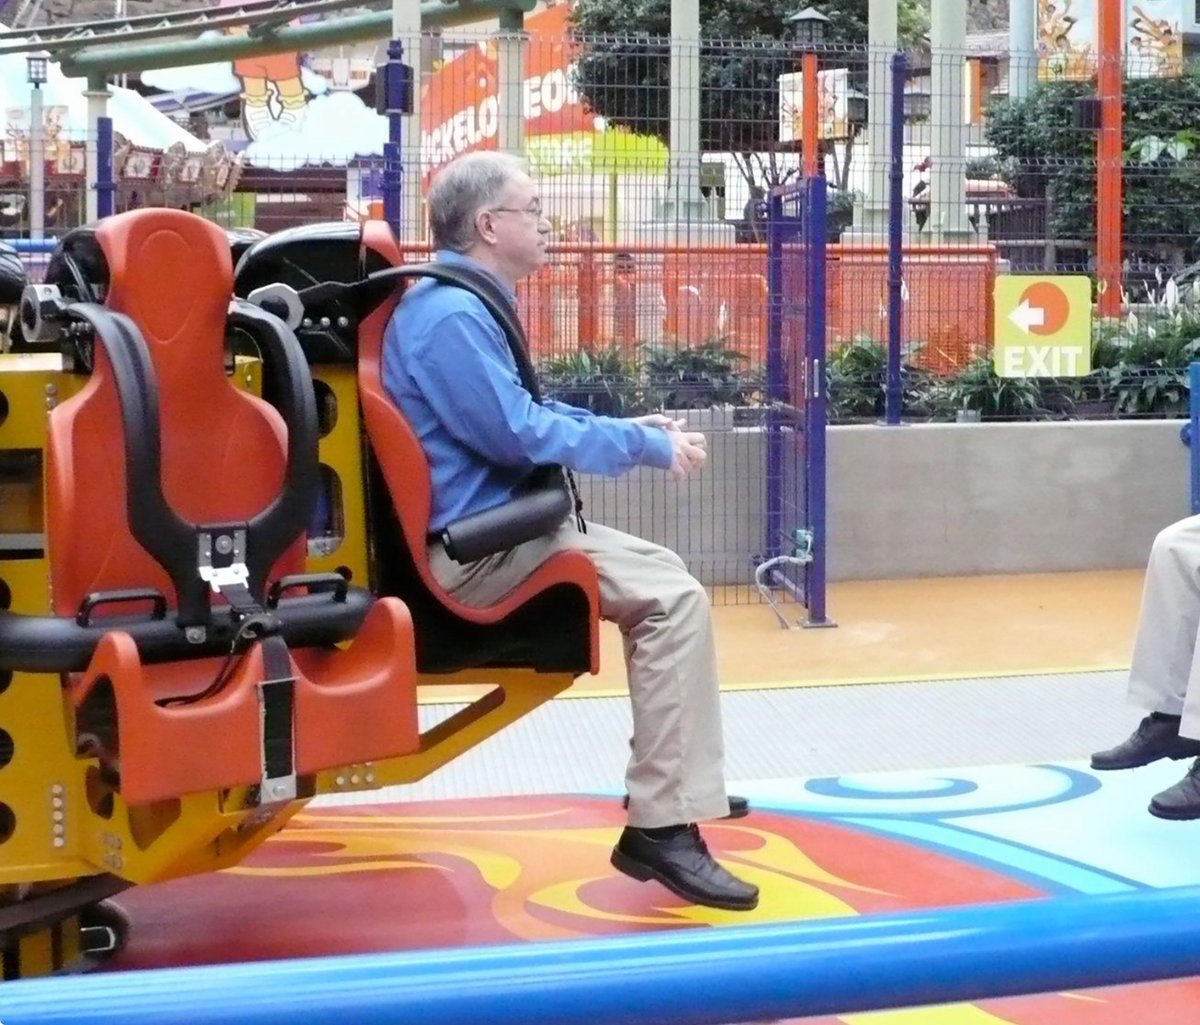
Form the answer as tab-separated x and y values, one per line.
468	872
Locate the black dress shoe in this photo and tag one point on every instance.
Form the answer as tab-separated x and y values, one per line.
678	858
1157	736
1182	801
739	807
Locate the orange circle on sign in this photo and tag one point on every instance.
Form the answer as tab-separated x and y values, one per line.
1054	304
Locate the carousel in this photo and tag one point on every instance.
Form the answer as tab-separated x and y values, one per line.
156	162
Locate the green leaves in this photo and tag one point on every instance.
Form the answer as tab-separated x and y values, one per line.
604	382
978	387
698	376
1042	153
666	377
1139	369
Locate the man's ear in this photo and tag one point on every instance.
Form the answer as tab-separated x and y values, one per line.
485	226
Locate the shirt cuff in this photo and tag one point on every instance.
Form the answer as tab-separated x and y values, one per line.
657	451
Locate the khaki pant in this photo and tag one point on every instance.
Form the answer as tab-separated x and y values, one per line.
676	770
1164	675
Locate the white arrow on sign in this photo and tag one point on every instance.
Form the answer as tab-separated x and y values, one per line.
1026	316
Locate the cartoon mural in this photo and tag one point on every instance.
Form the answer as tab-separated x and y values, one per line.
833	105
1067	38
297	109
273	95
460	110
275	77
1154	40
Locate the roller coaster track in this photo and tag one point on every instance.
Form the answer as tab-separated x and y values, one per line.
258	16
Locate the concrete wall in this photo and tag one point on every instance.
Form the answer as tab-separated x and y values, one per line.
926	500
949	499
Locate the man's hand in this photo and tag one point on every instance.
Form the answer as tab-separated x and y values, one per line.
660	420
688	452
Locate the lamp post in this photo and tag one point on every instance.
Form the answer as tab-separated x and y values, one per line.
36	71
808	29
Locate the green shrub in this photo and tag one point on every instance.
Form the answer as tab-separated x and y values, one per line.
1140	363
697	376
856	384
604	382
978	387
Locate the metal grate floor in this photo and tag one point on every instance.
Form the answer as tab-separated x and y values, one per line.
580	745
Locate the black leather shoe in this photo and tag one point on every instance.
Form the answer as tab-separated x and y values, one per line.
1157	736
681	862
1182	801
739	807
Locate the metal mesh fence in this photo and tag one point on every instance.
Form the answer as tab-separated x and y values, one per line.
969	164
1004	170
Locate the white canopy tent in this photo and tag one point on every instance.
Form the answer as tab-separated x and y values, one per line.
134	117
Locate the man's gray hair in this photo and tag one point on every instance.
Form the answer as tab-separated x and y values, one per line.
463	188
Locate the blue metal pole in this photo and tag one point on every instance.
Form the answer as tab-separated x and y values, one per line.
1194	435
106	185
775	376
814	404
690	977
32	245
397	89
894	397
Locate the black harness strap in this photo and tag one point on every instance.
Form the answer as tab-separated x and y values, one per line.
169	539
278	693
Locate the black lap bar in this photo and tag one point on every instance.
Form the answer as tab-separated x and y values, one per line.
49	644
533	514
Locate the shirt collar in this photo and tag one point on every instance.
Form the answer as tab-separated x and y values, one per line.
451	257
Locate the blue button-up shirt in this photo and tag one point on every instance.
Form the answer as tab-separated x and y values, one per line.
447	365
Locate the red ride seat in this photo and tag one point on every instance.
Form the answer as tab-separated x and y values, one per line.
549	622
223	460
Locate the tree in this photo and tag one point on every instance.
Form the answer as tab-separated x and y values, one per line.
1043	155
623	72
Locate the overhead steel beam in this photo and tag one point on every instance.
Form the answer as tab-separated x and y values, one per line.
108	59
142	26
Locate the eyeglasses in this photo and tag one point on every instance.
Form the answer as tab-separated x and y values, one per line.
533	210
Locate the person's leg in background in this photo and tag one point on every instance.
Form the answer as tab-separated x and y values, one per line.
1163	669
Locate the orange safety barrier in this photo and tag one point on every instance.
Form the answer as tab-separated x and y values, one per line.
718	294
591	297
948	310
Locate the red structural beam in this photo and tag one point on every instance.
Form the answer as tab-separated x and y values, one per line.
1109	148
811	115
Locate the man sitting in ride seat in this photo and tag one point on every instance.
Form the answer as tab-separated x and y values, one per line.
447	365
